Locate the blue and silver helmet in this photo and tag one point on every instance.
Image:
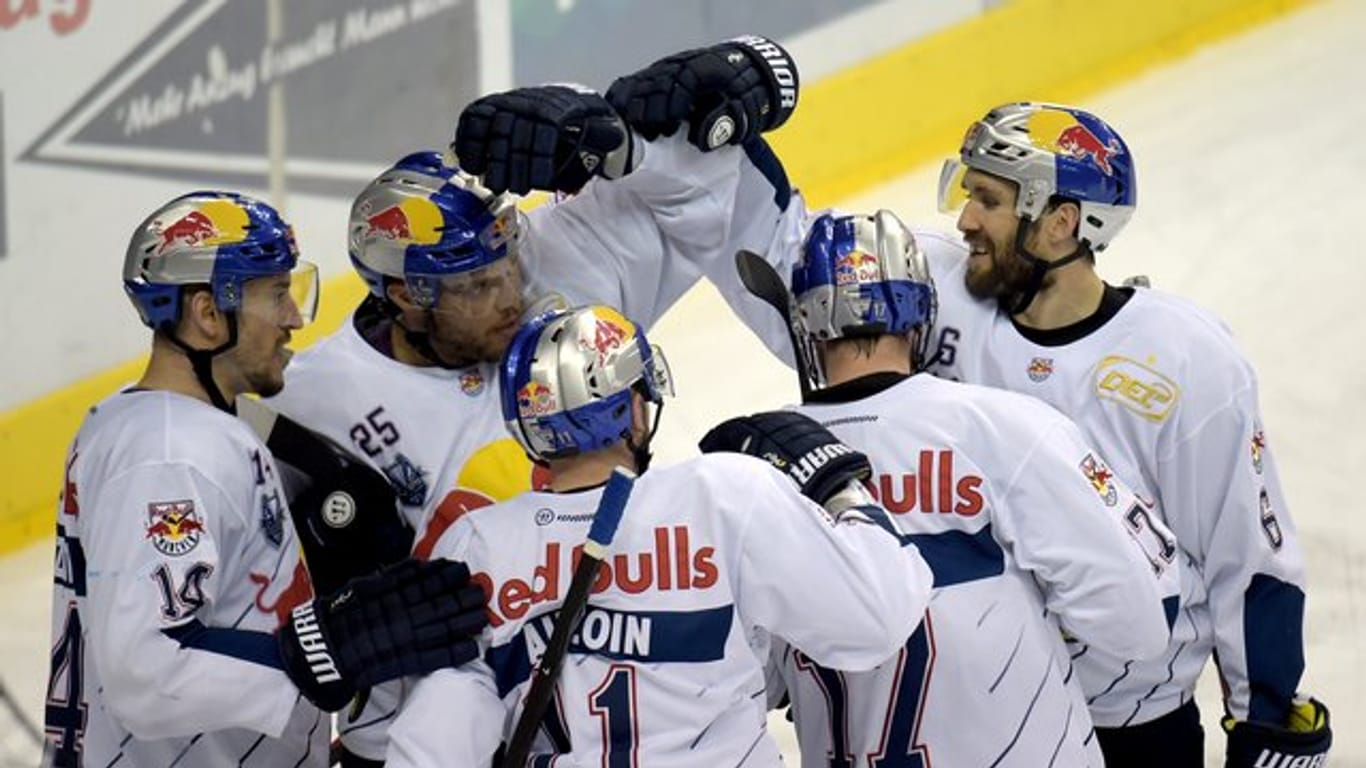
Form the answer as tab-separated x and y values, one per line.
422	220
567	377
1047	150
863	276
219	239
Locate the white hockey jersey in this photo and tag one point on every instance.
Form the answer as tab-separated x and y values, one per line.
1162	391
175	563
1025	531
712	558
637	243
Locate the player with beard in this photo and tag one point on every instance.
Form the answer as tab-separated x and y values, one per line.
1160	386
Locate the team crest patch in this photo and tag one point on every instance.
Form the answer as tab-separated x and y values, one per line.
472	383
1258	446
1101	478
408	481
272	518
174	527
1040	368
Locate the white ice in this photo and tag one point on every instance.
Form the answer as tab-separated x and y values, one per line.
1252	166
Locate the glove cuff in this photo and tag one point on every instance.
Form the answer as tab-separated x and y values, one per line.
776	65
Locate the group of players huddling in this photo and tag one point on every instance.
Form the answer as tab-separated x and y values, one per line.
1014	515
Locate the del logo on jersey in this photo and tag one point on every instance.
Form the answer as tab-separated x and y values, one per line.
673	562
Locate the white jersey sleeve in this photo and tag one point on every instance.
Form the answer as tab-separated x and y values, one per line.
667	665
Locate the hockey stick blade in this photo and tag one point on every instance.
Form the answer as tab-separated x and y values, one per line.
763	281
547	672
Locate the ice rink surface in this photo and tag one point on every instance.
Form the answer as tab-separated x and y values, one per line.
1252	188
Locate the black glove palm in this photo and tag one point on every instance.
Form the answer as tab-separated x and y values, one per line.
797	445
410	619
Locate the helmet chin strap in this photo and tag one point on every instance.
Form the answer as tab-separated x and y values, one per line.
201	360
642	453
1018	301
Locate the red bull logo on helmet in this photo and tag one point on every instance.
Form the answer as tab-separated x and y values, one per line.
1101	478
1059	131
856	267
173	527
610	332
415	220
535	399
214	222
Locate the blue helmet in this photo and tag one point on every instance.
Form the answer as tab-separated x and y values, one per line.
862	276
219	239
1047	150
567	377
423	220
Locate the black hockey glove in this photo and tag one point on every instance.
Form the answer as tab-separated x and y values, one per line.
1303	740
345	512
728	93
550	137
798	446
413	618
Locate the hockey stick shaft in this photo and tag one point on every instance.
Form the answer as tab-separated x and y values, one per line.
761	279
547	672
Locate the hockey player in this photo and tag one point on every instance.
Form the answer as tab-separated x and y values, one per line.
1025	528
713	556
451	266
184	627
1159	385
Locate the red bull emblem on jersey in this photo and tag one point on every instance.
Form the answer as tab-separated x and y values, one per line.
1059	131
472	383
1040	368
1101	478
856	267
213	222
535	399
1258	445
173	526
610	333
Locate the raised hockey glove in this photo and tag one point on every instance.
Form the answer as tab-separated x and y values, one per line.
1304	739
727	93
549	137
410	619
816	460
346	513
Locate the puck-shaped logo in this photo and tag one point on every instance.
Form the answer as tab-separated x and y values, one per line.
339	509
721	131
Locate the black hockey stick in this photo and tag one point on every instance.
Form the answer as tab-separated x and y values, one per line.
762	280
604	528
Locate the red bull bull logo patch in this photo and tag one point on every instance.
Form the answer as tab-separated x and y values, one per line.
1101	479
415	220
214	222
856	267
472	383
173	527
1060	131
609	333
1040	368
535	399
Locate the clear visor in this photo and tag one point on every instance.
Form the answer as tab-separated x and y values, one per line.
483	290
952	194
660	374
283	300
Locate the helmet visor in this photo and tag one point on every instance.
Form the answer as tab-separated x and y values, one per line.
304	290
953	195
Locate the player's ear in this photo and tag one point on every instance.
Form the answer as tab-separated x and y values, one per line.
397	291
1062	221
640	418
200	317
